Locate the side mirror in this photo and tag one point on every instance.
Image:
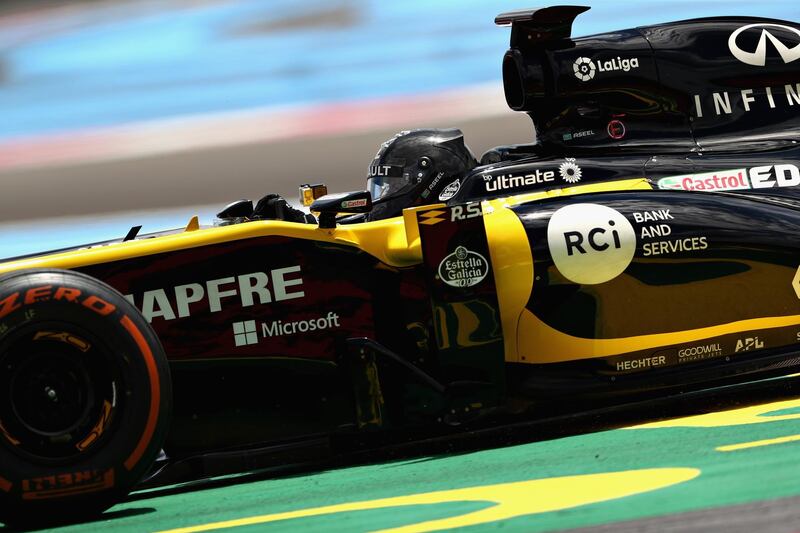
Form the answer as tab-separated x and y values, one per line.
309	193
347	202
235	211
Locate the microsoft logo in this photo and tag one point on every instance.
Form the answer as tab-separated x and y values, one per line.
244	333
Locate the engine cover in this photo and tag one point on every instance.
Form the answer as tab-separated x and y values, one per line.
703	82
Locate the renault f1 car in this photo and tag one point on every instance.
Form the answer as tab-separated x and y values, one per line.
648	240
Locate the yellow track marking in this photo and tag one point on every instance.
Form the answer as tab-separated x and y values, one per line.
512	499
757	443
754	414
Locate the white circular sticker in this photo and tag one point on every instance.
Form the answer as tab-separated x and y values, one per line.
450	191
590	243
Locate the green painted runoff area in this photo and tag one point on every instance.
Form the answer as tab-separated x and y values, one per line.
767	470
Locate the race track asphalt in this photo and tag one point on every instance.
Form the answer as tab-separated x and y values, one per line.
731	469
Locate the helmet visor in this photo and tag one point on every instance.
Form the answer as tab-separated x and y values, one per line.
384	181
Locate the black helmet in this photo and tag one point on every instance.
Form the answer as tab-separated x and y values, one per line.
417	167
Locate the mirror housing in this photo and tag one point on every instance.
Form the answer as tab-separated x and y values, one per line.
346	203
309	193
237	209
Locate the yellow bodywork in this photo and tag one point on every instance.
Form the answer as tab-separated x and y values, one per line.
388	240
513	266
529	340
396	243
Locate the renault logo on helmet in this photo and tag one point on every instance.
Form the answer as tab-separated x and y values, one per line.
758	57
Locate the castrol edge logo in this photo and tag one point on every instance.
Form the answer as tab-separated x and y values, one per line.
761	177
590	243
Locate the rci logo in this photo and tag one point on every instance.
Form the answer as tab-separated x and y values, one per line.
749	343
590	243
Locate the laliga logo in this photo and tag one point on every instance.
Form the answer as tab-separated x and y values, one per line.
758	57
584	68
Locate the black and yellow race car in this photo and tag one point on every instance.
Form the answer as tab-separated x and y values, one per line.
648	241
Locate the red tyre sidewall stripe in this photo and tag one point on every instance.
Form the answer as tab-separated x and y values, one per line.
155	392
5	485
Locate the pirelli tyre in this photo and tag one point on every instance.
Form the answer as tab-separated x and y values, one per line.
85	397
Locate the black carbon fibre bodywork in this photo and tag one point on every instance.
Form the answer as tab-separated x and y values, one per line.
776	174
679	85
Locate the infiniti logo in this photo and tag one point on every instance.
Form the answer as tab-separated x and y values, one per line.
758	57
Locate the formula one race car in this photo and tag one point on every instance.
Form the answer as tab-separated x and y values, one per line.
648	241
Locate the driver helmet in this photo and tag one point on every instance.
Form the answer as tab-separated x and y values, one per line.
417	167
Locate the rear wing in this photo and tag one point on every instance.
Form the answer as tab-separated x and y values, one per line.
539	25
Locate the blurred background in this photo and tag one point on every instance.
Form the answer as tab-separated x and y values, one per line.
116	113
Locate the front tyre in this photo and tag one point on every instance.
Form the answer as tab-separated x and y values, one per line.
85	396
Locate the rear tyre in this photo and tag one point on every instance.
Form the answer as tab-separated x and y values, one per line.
85	397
